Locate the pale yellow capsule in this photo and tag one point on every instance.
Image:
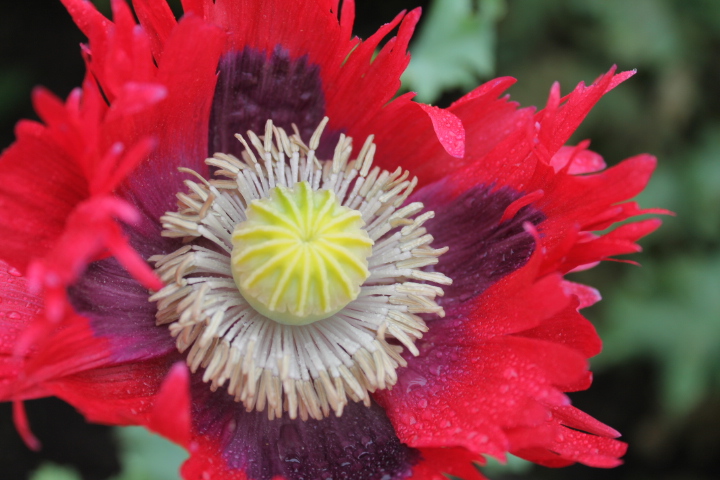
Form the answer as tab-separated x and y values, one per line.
300	256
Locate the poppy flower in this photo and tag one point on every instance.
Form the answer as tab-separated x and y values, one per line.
236	235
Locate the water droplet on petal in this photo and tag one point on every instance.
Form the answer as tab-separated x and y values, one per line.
412	380
14	272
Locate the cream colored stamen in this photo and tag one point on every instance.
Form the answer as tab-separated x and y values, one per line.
304	370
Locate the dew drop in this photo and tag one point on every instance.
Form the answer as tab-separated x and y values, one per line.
13	315
413	380
231	427
14	272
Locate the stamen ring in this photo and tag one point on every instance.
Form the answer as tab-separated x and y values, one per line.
312	369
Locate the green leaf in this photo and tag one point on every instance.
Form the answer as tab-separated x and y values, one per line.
512	465
146	456
50	471
455	47
669	311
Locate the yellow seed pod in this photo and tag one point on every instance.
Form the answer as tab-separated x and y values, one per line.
300	256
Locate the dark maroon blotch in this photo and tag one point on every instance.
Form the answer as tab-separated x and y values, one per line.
359	445
482	250
253	87
117	305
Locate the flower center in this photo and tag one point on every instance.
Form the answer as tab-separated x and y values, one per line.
301	280
300	256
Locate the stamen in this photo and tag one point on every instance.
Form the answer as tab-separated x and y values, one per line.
301	370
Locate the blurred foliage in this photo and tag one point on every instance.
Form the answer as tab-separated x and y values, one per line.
669	310
51	471
658	380
145	456
455	46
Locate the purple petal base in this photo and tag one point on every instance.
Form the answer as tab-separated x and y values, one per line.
359	445
482	250
118	309
254	86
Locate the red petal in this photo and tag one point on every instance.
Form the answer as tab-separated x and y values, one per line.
158	20
498	384
571	446
90	233
521	202
86	17
59	352
134	97
33	213
437	462
115	394
170	416
23	426
406	139
448	128
618	242
561	117
18	308
579	420
587	296
577	160
203	464
179	123
195	7
571	329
